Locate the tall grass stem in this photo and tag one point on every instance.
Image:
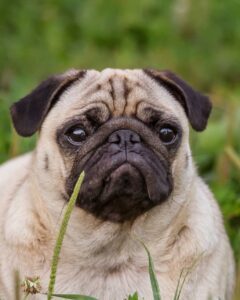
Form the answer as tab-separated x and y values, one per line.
61	235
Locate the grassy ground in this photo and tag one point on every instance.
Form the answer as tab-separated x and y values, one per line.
198	40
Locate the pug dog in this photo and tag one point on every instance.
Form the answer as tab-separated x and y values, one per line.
128	130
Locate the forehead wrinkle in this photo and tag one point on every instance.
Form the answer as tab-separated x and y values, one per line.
103	88
122	87
136	95
81	110
110	86
99	95
118	94
127	91
97	86
80	98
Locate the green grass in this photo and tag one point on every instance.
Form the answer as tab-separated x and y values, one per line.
152	275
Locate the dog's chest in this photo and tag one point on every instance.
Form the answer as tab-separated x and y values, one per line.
112	284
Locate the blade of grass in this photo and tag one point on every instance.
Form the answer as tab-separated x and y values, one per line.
188	271
133	297
152	274
178	285
74	297
232	155
61	235
17	285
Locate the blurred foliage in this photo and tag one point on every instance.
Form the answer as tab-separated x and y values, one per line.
200	40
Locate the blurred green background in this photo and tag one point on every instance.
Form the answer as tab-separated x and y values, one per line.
199	40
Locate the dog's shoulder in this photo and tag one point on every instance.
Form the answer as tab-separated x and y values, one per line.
206	219
12	174
11	170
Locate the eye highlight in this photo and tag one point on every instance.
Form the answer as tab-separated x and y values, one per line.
167	134
76	135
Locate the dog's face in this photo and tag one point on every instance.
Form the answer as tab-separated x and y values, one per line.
127	129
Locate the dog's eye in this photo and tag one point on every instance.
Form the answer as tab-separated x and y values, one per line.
76	135
167	135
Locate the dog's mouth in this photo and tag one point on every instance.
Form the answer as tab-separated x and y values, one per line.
121	183
124	193
123	180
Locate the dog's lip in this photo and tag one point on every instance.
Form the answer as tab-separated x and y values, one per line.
123	172
125	166
122	163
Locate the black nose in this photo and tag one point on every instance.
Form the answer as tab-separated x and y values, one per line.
124	137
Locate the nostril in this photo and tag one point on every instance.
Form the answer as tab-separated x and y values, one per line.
135	138
114	138
124	137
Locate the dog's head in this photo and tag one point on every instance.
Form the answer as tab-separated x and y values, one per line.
127	129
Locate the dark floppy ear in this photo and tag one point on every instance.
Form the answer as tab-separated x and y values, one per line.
29	112
196	105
